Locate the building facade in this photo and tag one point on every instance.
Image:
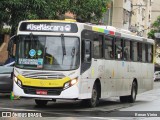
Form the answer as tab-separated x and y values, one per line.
133	15
141	16
155	10
121	14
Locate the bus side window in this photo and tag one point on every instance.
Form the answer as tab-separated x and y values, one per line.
97	46
139	50
118	49
126	50
146	52
108	48
143	53
134	51
150	53
86	51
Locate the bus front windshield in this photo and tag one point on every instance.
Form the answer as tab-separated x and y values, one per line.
48	52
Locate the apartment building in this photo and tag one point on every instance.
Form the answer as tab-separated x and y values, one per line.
155	10
141	16
133	15
121	14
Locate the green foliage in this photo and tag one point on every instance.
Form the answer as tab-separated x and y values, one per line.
155	28
14	11
5	31
89	10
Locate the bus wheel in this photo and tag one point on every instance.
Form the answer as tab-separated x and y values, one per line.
54	100
94	99
123	99
41	103
132	97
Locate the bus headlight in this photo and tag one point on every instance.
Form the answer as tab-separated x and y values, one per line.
19	83
15	79
70	83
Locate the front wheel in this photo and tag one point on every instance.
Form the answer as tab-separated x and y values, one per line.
94	98
41	103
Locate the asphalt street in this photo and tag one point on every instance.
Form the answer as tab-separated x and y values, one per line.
110	108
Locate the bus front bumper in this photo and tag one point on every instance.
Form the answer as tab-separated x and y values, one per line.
69	93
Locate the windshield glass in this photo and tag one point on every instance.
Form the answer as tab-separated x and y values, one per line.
48	52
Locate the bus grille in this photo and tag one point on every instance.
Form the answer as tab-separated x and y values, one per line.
43	75
50	91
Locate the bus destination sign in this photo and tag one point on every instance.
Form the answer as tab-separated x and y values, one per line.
49	27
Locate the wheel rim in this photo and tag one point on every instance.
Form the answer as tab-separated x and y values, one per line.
94	96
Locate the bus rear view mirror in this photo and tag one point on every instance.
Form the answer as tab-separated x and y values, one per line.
11	45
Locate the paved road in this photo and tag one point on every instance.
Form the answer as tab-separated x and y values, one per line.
107	107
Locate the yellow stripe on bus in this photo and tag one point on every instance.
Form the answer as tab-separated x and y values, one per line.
43	82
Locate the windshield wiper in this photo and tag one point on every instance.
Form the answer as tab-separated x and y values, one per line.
63	46
32	39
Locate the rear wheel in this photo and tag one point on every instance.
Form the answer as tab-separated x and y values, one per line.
41	103
123	99
131	98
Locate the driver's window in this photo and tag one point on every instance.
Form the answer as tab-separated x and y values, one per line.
87	51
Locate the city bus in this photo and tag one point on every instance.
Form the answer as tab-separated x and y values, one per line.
65	59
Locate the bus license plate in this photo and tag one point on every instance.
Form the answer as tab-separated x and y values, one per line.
41	92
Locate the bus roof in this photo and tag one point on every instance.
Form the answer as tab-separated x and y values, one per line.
117	32
100	28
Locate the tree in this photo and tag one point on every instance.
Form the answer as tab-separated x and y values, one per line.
88	10
14	11
155	28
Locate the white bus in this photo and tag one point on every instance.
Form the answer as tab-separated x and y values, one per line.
70	60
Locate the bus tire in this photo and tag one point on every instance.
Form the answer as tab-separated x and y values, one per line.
94	100
132	97
41	103
123	99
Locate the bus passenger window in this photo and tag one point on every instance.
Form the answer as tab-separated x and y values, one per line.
97	46
143	53
139	50
150	53
87	54
146	52
108	48
127	50
118	49
134	52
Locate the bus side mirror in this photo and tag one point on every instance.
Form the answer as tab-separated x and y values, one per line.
86	57
11	44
